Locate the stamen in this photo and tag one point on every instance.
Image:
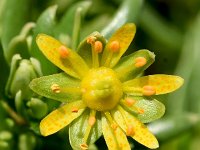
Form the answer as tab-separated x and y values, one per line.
140	61
84	146
110	119
108	59
98	47
75	110
55	88
63	51
114	46
130	101
72	90
136	90
91	122
149	90
130	130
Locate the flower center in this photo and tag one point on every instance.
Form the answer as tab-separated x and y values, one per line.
101	89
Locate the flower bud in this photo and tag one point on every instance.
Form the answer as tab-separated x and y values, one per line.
37	108
21	73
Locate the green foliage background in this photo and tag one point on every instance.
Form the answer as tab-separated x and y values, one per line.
169	28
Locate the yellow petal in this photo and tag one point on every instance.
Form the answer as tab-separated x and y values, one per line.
115	138
61	117
141	133
71	62
161	83
123	36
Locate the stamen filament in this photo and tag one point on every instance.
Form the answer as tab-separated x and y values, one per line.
108	60
110	119
71	90
130	127
136	90
95	57
133	108
89	127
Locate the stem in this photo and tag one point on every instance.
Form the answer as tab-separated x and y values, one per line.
18	119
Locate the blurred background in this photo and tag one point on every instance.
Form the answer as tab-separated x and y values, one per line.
169	28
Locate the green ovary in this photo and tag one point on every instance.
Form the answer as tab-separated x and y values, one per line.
101	88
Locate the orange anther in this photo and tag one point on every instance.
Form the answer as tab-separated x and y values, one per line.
75	110
98	47
55	88
114	126
91	39
114	46
130	130
140	61
63	51
149	90
140	111
92	120
130	101
84	146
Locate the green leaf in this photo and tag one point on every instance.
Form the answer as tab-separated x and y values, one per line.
18	44
2	7
95	24
152	109
126	68
188	68
78	127
45	24
128	12
85	50
14	17
171	126
66	24
69	87
4	72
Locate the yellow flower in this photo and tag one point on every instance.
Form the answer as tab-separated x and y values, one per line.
101	92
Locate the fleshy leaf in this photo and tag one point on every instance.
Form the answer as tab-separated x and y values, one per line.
140	132
115	138
126	68
124	36
161	83
73	65
68	89
61	117
85	50
78	127
151	108
45	24
66	25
